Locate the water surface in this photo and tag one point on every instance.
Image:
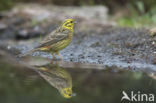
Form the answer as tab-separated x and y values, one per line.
40	81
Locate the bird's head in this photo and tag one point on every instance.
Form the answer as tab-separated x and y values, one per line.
67	92
69	24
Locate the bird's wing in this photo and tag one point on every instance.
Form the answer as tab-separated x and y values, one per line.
52	38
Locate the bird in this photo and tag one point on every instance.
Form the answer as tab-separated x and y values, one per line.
57	77
56	40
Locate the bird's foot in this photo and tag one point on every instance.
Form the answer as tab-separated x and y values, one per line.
60	57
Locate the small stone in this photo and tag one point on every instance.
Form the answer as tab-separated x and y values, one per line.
8	47
23	32
153	43
3	26
96	44
2	15
154	60
153	31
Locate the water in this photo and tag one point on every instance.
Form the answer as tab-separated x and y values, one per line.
38	80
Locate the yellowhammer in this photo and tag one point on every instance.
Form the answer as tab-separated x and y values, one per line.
57	40
58	77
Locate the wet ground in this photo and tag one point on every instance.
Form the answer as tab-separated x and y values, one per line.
94	42
122	47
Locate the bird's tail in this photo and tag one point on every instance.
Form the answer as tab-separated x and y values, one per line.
27	53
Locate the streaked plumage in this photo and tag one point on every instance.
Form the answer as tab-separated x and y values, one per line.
58	78
58	39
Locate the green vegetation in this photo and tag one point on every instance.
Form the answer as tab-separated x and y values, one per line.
138	17
142	12
138	20
5	4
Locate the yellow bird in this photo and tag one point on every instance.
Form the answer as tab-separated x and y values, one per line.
57	40
58	77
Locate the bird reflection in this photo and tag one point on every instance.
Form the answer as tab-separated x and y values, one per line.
58	77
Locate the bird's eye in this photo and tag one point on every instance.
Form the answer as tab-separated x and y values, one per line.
71	21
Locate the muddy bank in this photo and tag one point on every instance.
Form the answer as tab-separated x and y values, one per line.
111	47
122	47
95	41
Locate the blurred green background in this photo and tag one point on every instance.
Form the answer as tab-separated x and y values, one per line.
126	12
140	6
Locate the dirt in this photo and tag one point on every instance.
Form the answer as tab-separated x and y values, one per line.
93	42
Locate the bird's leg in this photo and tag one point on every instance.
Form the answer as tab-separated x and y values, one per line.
53	57
57	53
